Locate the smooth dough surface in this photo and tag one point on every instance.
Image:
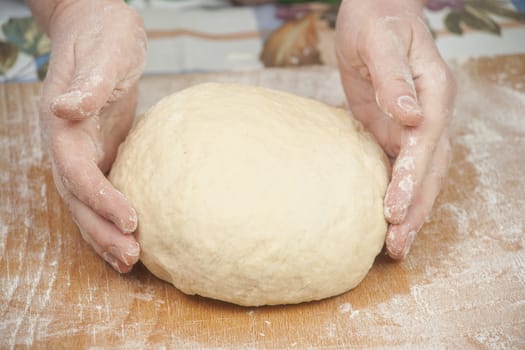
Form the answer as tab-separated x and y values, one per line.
254	196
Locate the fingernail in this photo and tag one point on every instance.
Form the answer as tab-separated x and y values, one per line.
110	259
115	252
409	105
128	225
387	212
408	242
390	238
131	224
131	253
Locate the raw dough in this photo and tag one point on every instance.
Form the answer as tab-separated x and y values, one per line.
254	196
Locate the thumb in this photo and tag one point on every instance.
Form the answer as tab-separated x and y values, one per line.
89	90
385	56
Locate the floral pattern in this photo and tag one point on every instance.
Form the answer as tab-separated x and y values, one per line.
475	14
22	35
288	33
461	16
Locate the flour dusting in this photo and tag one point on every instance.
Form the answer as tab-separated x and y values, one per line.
344	308
487	254
462	285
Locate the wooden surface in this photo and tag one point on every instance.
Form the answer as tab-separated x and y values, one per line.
462	286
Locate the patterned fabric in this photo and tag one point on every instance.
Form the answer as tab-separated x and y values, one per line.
277	33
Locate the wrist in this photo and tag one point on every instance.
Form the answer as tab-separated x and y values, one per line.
44	11
411	4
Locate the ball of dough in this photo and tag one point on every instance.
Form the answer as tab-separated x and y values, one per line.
254	196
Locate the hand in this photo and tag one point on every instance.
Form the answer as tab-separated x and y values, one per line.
87	108
398	86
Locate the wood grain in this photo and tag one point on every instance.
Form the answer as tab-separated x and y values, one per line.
462	286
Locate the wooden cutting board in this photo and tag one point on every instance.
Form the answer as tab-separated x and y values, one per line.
462	286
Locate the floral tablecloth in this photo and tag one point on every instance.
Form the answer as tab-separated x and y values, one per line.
215	35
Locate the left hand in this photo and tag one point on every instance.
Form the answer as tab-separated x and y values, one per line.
400	88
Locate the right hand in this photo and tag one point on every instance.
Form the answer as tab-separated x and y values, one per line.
87	108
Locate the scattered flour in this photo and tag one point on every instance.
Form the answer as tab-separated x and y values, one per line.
455	281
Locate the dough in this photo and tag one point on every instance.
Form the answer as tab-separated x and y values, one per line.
254	196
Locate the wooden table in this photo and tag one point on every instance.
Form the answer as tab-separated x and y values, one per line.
462	286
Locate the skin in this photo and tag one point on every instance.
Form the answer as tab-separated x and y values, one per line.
87	107
394	78
400	88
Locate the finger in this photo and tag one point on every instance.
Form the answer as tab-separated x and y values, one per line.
436	89
120	251
400	237
88	91
386	57
59	74
400	190
81	176
364	108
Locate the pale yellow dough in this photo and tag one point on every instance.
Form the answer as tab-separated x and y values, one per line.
254	196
